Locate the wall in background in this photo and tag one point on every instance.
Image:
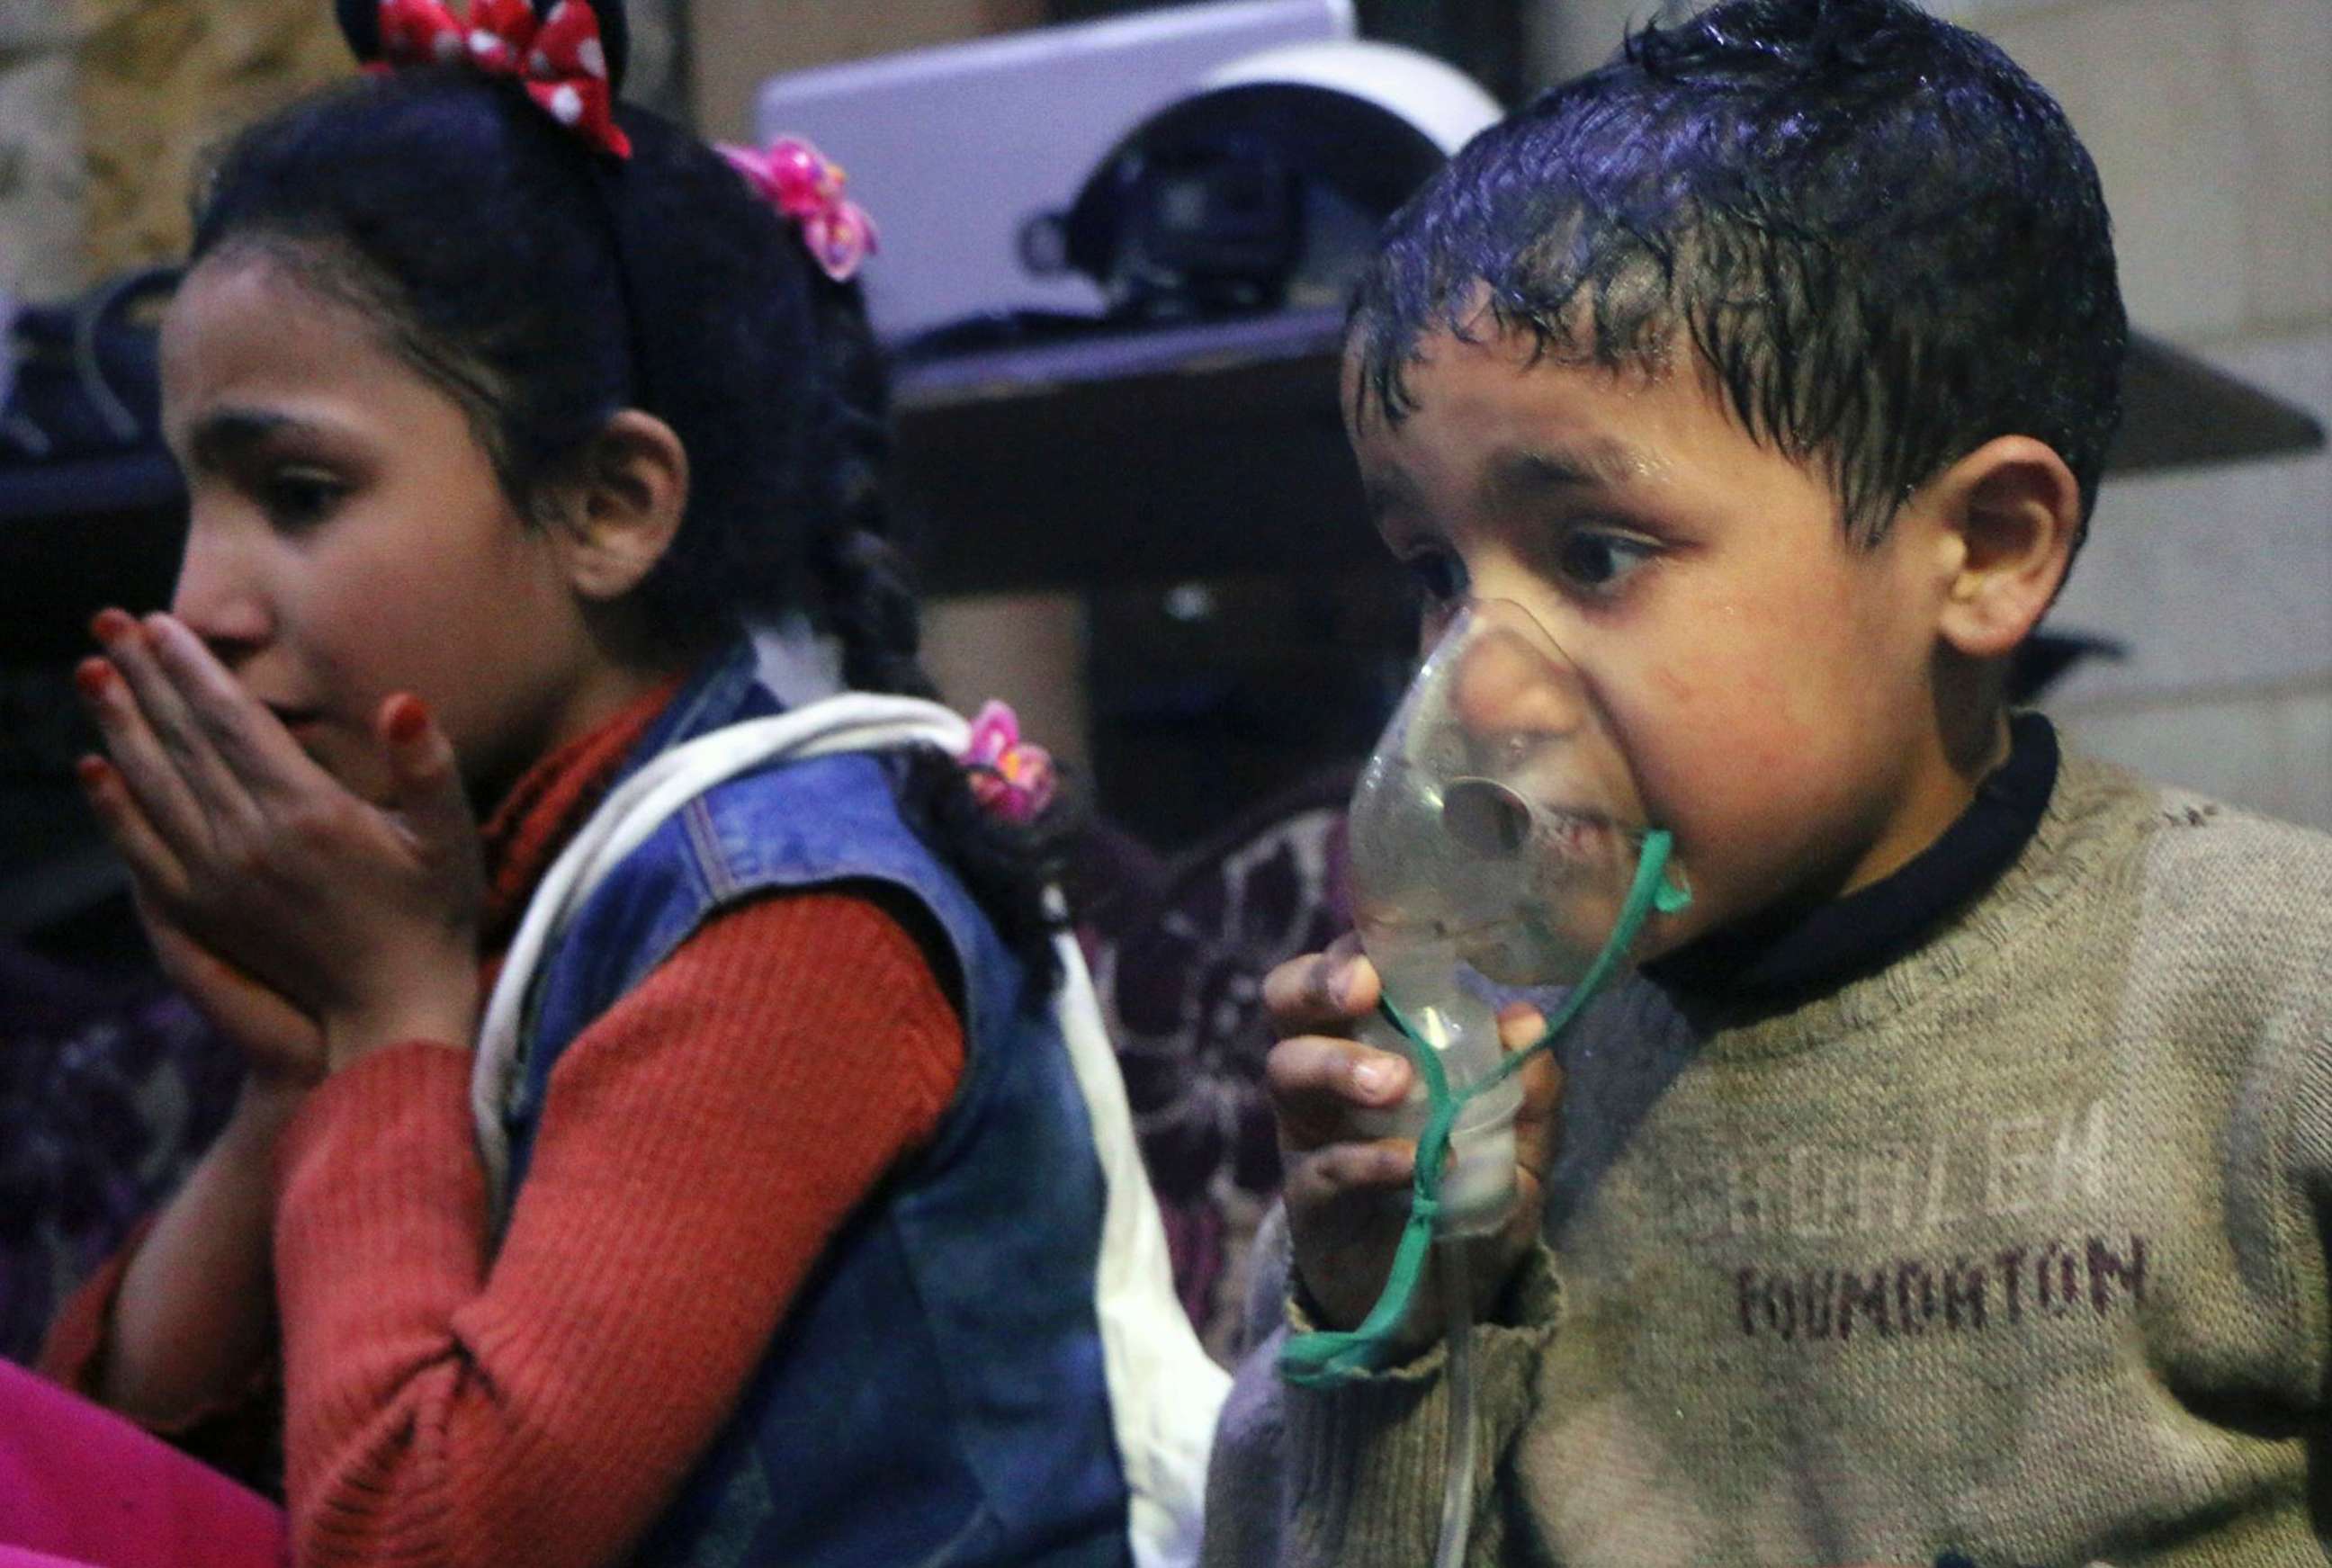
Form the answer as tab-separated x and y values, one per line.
43	176
158	82
2211	124
734	46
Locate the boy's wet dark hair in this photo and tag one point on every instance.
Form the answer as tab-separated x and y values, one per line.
545	288
1880	234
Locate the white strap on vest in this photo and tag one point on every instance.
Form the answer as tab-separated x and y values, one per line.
1164	1391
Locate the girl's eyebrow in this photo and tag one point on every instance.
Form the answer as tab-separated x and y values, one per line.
224	434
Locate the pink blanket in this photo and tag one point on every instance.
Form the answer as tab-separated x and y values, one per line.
81	1485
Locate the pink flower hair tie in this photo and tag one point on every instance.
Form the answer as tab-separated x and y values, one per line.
1009	777
805	185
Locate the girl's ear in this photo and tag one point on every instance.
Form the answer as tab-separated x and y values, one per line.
624	505
2011	515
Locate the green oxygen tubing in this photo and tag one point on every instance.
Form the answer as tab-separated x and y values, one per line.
1327	1360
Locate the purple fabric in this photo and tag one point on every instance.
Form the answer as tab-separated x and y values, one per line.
109	1089
81	1483
1179	970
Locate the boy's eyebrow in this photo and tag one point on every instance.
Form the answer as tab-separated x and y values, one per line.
1588	465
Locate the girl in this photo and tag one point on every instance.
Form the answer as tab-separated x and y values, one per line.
506	416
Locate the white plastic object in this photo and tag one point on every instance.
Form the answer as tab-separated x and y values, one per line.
1444	103
955	146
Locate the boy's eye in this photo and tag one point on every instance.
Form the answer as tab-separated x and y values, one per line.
298	498
1440	577
1595	561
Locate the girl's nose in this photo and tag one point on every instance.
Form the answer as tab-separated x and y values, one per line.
219	599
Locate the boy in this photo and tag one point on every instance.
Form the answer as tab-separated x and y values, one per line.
1952	1185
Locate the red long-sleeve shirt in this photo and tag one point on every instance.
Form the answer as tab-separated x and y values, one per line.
700	1143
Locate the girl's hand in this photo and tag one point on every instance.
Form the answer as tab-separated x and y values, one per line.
362	917
283	1046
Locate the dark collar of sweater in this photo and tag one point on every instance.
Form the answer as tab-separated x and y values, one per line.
1808	952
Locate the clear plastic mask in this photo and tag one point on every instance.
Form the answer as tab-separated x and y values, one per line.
1495	837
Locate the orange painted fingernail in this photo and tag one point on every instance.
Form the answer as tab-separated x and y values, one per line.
93	771
94	677
405	725
110	626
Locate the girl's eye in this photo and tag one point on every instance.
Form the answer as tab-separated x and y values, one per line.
1597	562
297	499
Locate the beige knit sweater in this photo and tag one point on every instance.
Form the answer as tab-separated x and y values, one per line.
2014	1250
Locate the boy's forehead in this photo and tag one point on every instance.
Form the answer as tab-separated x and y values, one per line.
1496	424
1376	359
1537	396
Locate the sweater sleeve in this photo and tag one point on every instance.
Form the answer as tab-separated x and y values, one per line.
1352	1477
700	1143
2301	1093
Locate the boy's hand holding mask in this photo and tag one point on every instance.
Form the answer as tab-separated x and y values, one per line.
1347	1190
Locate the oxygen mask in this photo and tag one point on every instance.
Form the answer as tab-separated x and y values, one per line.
1494	839
1496	844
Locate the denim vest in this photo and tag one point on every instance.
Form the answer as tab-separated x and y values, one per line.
935	1394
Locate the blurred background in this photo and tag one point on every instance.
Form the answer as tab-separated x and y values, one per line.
1194	642
1195	680
1115	239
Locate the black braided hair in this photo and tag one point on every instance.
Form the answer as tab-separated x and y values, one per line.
546	286
866	601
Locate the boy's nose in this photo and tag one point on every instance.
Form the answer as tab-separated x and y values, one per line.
218	599
1509	691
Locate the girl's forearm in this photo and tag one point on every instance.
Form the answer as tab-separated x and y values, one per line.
193	1322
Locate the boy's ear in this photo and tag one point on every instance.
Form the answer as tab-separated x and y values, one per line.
624	504
2010	512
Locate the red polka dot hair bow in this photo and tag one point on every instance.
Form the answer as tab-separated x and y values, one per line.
805	185
561	57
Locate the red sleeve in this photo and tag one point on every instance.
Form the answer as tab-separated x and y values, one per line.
698	1146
